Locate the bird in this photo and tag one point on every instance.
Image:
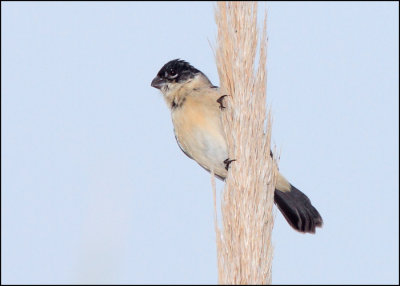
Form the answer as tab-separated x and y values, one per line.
196	107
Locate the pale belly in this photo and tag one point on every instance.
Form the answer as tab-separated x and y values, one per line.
203	140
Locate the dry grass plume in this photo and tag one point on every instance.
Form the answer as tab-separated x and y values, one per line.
244	246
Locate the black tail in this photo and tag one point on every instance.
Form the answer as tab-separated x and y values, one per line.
298	210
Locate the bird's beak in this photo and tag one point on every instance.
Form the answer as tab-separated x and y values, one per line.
158	82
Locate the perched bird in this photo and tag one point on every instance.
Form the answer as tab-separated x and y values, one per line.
196	106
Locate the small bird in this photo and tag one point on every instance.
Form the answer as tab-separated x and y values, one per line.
196	106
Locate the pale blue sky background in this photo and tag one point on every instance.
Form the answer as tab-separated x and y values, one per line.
96	190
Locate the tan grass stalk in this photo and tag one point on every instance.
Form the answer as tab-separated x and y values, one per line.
244	246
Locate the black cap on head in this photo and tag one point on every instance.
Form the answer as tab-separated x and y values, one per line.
178	67
174	71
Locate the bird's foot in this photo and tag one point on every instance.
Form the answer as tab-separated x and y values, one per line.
219	100
227	162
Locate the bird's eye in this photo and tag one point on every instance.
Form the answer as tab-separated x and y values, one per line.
172	73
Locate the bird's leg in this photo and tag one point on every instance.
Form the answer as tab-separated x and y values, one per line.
219	100
227	162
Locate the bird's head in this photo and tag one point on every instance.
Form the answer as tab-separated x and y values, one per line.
174	75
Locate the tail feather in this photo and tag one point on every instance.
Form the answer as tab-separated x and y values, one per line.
296	207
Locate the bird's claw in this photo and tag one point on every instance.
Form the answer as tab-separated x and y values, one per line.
227	162
219	100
